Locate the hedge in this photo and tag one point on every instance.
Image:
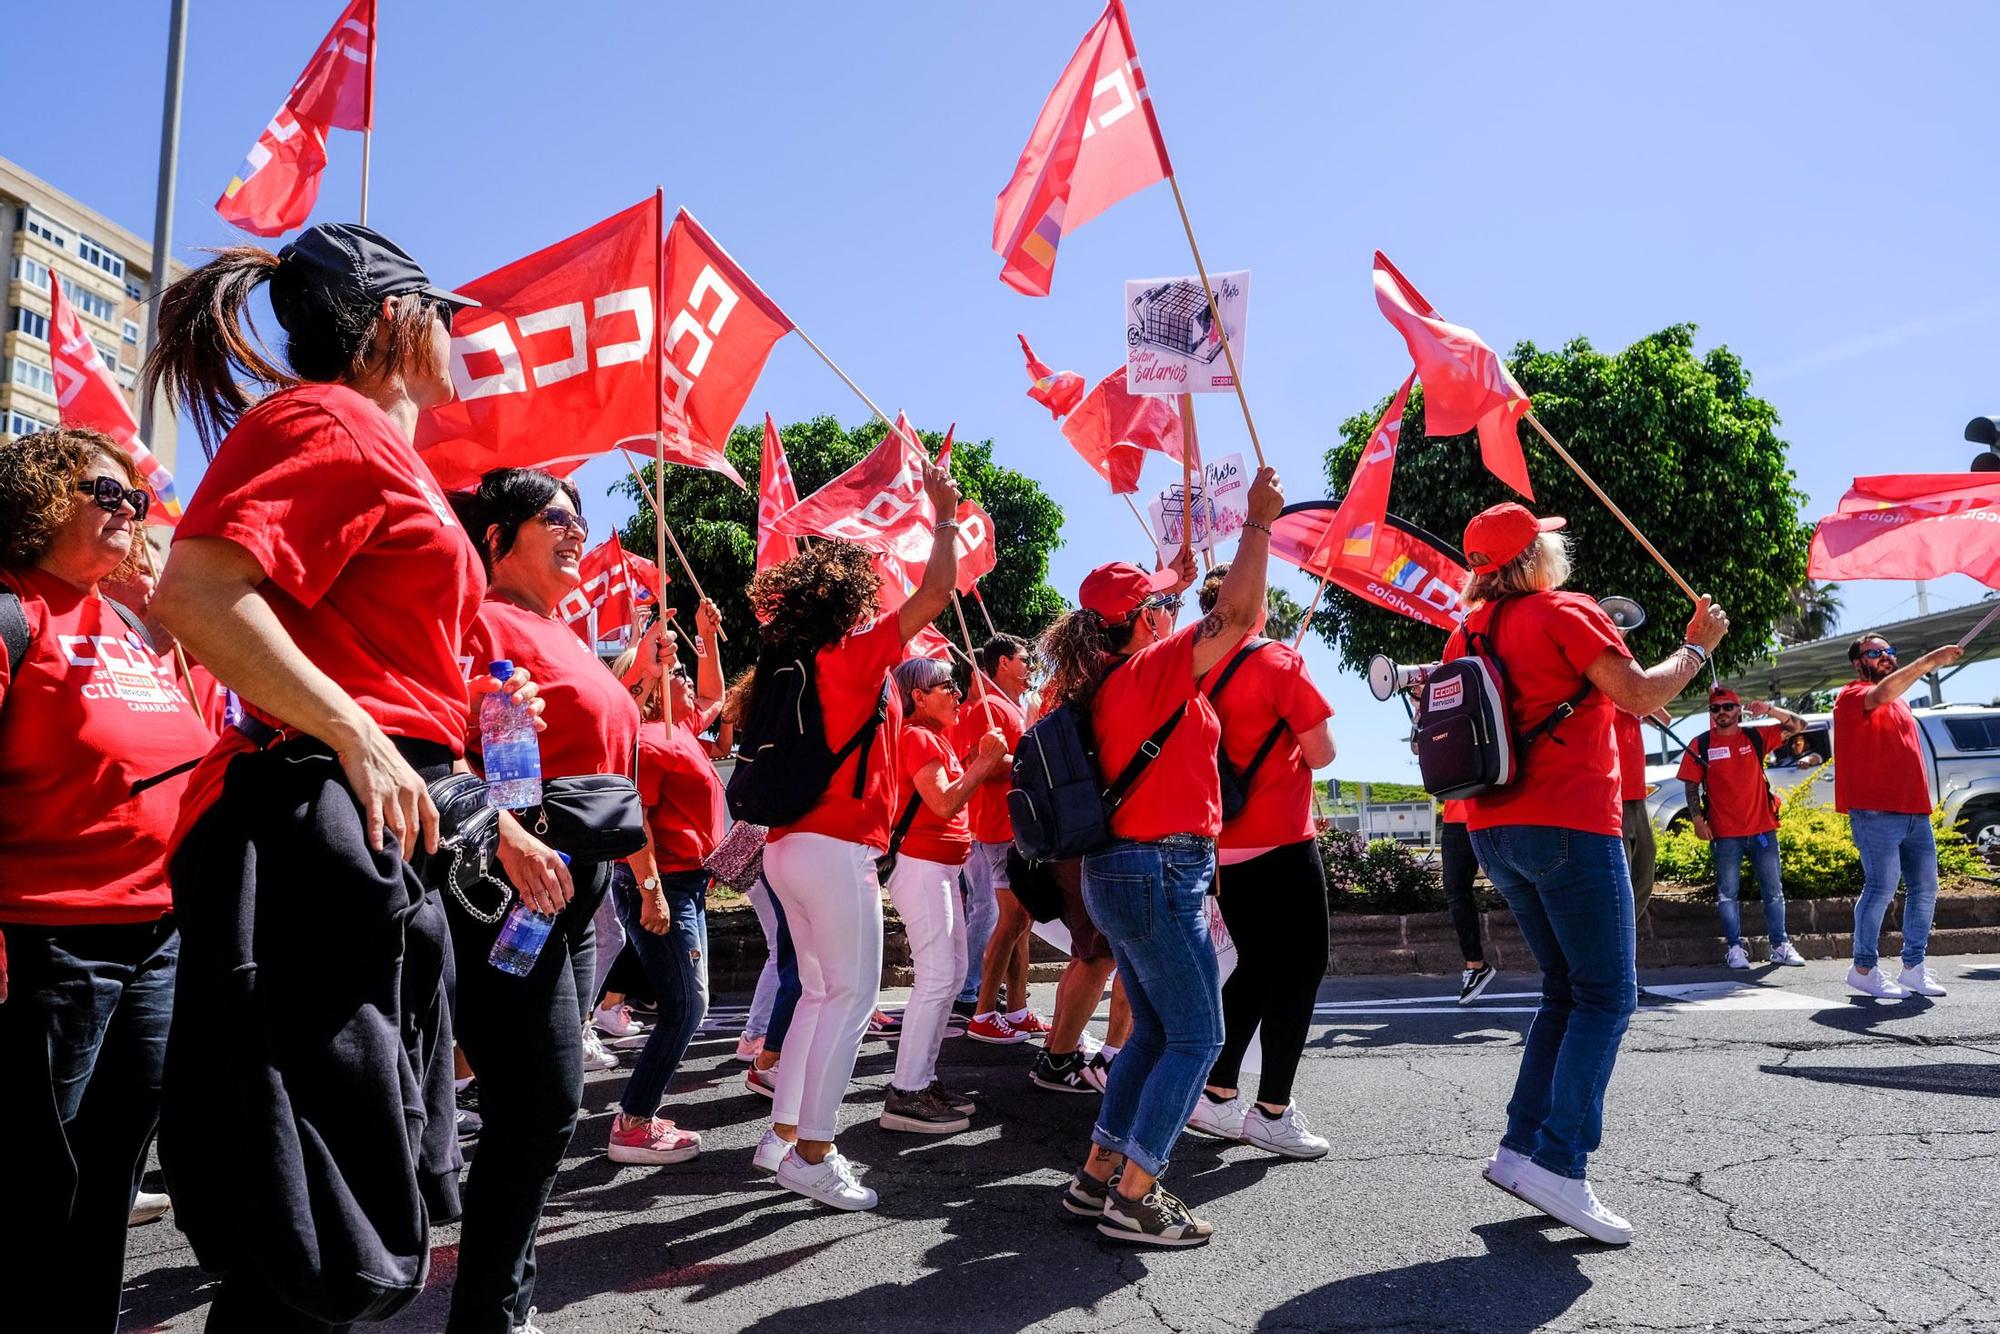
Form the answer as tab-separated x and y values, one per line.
1816	854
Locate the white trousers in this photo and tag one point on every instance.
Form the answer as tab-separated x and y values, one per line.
926	898
833	906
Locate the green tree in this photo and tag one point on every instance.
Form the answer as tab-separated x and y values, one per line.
1282	614
716	521
1815	613
1676	438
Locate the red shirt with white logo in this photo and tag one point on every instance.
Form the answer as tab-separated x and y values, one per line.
682	795
1568	780
977	716
1631	758
91	713
850	676
1738	804
1179	793
1270	689
1878	758
948	842
592	720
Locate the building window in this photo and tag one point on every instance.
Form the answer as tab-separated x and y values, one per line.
108	352
25	372
131	332
20	423
40	224
32	271
89	302
133	290
31	323
128	376
97	256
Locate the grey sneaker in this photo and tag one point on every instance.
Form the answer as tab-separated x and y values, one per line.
1158	1220
1061	1072
1085	1198
958	1102
922	1113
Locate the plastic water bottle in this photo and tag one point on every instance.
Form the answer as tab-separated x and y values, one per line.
512	754
522	936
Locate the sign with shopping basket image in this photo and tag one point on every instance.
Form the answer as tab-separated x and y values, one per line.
1220	505
1171	343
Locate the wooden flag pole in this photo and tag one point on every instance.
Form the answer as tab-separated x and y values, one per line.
1152	543
1306	624
1187	478
834	366
972	656
1215	313
1606	501
980	598
666	533
659	497
368	132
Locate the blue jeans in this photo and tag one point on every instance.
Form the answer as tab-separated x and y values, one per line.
765	997
985	871
1571	895
1890	842
1151	902
786	1003
677	965
1762	850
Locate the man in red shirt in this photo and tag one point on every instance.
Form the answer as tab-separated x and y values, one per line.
1883	786
1733	808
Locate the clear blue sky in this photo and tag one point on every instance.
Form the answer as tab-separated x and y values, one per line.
1810	183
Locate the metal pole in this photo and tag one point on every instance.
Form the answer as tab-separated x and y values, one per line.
163	202
1931	679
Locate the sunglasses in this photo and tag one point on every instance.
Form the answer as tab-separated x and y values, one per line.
108	493
555	516
444	311
1725	708
1873	653
952	686
1161	602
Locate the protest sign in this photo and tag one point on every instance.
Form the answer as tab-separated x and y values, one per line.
1220	506
1172	345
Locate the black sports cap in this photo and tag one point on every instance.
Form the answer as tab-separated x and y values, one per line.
338	265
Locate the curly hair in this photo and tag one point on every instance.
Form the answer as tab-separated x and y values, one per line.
39	474
1078	648
814	599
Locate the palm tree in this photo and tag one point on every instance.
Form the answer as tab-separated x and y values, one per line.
1282	613
1815	613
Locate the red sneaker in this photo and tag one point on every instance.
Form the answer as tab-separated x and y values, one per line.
995	1029
1034	1025
655	1143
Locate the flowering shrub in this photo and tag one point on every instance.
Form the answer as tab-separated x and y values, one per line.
1381	876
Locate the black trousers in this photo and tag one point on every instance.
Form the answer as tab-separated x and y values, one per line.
83	1035
523	1037
1455	846
1275	909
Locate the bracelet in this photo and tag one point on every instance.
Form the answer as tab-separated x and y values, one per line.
1263	528
944	525
1700	653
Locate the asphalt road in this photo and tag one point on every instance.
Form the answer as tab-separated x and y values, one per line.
1793	1158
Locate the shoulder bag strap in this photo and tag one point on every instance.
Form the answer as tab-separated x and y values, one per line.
863	739
1229	671
131	619
1149	750
903	823
14	630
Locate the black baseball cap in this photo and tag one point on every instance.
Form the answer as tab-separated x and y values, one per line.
336	265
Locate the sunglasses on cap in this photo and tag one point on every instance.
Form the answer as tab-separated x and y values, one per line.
108	493
555	516
1873	653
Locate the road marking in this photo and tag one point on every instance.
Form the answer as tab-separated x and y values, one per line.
1451	998
1735	996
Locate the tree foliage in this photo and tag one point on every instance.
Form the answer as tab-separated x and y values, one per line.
1282	614
1676	438
716	523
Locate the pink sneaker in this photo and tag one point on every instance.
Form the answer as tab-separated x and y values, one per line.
749	1048
995	1029
1034	1025
653	1143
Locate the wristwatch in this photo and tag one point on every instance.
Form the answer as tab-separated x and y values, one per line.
650	884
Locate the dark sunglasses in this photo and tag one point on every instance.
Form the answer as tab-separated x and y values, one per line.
555	516
444	311
1161	602
108	493
953	686
1725	708
1872	653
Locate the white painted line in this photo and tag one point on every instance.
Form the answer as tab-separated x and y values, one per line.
1452	1000
1736	996
1339	1016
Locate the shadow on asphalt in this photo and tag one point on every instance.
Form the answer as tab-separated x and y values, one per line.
1864	1015
1961	1077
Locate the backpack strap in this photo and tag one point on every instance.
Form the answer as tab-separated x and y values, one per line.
1557	716
1278	729
863	739
132	621
1149	750
1229	671
903	823
14	630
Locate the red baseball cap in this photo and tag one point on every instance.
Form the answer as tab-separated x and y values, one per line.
1115	591
1723	695
1497	535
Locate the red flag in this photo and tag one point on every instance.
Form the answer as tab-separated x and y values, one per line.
87	394
718	333
1465	383
873	503
978	552
1095	142
275	188
1913	526
615	583
555	364
944	450
1112	429
1058	391
776	493
1413	573
1359	522
931	643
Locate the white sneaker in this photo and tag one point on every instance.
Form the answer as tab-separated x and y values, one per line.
1921	981
831	1181
1874	983
1224	1120
596	1056
1503	1169
1285	1134
148	1206
529	1326
1572	1202
772	1150
616	1021
1786	955
1738	957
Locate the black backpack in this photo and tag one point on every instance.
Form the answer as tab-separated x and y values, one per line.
1236	782
1465	738
1059	803
783	764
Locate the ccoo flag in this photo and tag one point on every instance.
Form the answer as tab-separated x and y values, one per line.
87	395
776	493
1365	506
1412	574
1912	526
1113	429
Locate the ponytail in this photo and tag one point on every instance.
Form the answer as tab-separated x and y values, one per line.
1077	649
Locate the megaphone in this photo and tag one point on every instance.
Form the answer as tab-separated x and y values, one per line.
1624	612
1385	677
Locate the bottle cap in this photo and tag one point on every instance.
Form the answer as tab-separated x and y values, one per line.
502	670
564	856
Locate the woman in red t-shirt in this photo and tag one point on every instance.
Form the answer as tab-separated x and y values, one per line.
96	738
1119	660
931	798
824	602
319	573
1271	886
1552	842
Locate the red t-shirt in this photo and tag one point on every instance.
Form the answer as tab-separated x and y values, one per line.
1271	687
209	697
1454	812
91	712
948	842
1879	760
1179	793
1737	804
682	795
979	715
592	721
1547	640
1631	757
850	678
